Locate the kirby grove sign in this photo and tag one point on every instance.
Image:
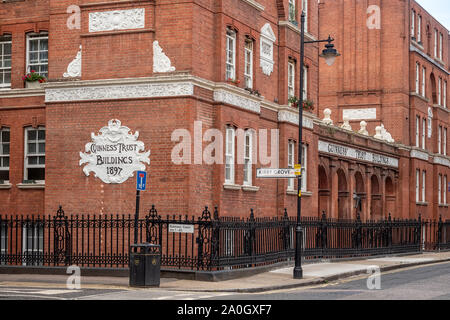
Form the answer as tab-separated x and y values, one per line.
115	154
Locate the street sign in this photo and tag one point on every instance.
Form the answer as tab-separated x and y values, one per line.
276	173
141	180
298	169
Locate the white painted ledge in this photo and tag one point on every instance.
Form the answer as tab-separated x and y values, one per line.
5	186
227	186
255	4
31	185
250	188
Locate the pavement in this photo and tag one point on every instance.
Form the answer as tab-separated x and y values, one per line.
313	274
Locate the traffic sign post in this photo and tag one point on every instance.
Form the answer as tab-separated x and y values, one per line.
141	181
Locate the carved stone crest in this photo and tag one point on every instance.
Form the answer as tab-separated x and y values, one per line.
161	63
74	68
114	154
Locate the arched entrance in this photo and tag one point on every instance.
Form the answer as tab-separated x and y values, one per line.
376	205
343	210
324	192
390	196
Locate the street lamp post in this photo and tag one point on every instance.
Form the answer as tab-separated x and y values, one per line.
330	55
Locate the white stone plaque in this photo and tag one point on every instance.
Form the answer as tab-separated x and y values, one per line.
115	154
181	228
360	114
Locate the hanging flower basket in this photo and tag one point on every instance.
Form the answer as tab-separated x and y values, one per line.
308	105
234	81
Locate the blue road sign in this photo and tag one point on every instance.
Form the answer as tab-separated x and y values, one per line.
141	180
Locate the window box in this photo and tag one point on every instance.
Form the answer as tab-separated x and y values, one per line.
33	85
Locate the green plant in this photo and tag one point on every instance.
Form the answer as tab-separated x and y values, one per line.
33	76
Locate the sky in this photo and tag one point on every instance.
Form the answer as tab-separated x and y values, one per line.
440	9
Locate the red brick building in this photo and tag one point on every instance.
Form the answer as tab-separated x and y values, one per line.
163	66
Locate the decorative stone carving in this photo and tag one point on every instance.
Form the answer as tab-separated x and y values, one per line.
378	134
124	91
419	155
117	20
237	100
346	125
363	129
266	49
115	154
382	134
327	118
74	68
360	114
291	117
161	63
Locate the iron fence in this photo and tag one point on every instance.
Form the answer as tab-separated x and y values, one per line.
207	242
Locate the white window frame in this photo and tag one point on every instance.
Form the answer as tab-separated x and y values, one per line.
424	183
424	133
424	81
445	189
306	9
305	83
37	37
248	161
291	79
418	78
445	94
4	155
304	170
248	70
3	67
417	131
292	13
37	154
291	162
440	139
413	23
419	29
435	43
417	185
3	239
441	43
444	142
230	66
440	189
230	155
440	92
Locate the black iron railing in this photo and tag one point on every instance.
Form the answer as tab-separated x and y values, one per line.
206	242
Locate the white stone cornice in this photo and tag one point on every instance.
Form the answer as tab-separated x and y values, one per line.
441	160
21	93
292	117
429	59
255	4
419	154
122	91
293	27
237	100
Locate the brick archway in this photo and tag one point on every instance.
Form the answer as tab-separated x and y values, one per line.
390	197
324	191
343	194
376	198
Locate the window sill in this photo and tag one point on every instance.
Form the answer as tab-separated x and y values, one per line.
31	185
425	204
294	193
441	107
418	95
5	186
228	186
417	44
250	188
443	205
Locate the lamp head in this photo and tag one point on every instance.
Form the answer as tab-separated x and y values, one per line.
329	53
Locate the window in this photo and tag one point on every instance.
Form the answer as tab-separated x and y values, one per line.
33	244
424	178
441	37
417	185
424	76
5	62
445	94
34	154
229	155
413	24
292	10
435	42
37	53
440	189
4	154
445	190
440	92
248	72
439	140
291	161
304	167
444	149
231	55
417	78
417	130
3	241
424	128
419	29
305	9
291	79
248	158
305	83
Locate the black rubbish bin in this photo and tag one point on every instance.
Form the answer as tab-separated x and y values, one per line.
145	265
